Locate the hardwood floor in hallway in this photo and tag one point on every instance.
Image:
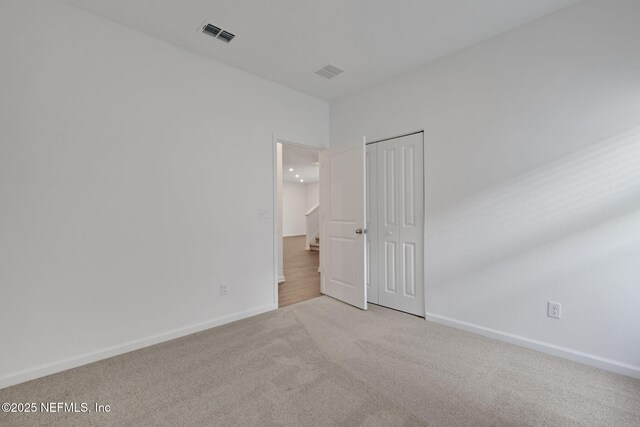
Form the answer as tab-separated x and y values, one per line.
300	272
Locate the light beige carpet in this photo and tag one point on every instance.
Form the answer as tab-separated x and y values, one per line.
322	362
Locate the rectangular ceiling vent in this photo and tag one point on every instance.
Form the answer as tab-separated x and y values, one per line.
218	33
329	71
226	36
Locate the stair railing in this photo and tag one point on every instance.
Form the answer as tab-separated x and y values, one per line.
313	225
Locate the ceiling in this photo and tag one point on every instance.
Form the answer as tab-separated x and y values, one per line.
303	161
287	40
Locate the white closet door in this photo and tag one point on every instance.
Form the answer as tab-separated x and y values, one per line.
400	224
371	165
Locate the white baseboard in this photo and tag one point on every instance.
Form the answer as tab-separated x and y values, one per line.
293	235
73	362
555	350
281	279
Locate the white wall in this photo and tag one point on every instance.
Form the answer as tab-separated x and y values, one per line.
294	206
532	163
313	194
298	198
131	175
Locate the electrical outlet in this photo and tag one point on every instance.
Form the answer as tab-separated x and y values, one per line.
553	309
263	213
224	289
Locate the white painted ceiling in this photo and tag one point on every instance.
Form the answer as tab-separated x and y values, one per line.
303	161
287	40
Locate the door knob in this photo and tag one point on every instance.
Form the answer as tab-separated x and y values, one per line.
360	231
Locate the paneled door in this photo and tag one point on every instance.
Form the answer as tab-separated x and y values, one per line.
400	223
342	204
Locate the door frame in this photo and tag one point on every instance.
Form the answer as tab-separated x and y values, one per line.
275	207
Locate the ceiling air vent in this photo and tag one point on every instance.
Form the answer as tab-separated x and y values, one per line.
226	36
218	33
212	30
329	71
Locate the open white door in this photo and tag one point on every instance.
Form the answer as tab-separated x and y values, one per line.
342	187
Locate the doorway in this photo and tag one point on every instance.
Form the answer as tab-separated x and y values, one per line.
395	223
297	223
